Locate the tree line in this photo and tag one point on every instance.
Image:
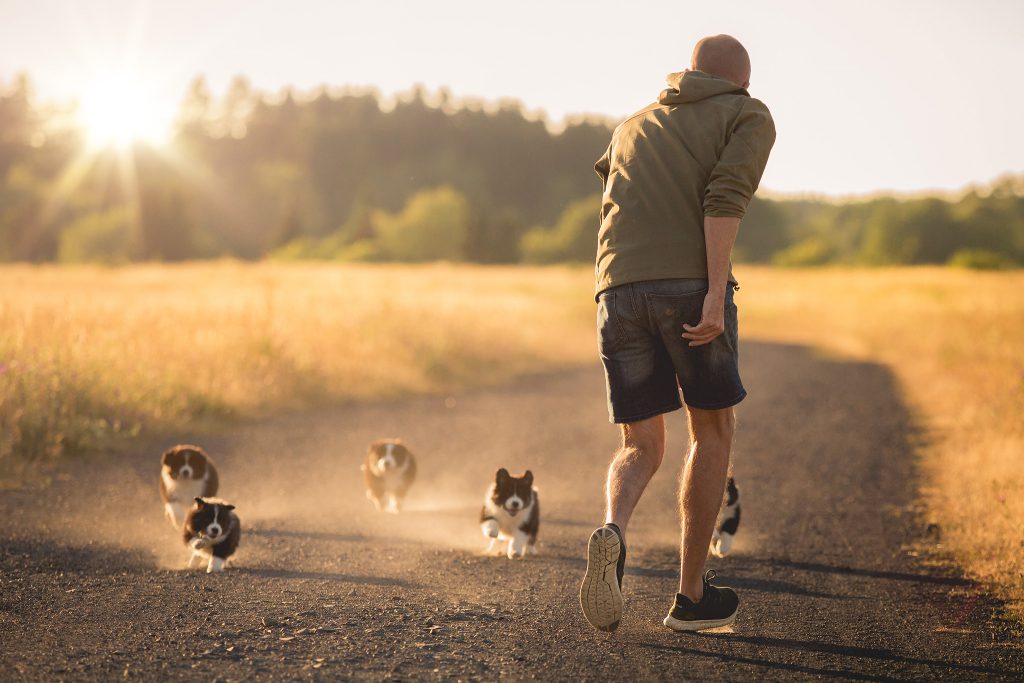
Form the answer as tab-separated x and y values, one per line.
345	174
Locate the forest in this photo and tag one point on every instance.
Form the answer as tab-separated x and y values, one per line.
350	175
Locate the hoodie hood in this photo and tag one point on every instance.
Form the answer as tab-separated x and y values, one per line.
691	86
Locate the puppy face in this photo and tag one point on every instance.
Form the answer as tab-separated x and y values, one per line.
184	462
210	519
388	456
512	493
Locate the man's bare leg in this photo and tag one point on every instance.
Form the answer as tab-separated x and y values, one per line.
643	445
700	492
639	457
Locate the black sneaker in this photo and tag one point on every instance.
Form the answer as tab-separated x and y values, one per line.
717	607
601	592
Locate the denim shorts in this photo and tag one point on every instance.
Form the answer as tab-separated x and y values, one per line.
646	360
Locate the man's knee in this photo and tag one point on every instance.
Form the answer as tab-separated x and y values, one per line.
712	425
646	438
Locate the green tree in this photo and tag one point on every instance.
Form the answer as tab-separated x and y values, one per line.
433	226
573	238
103	237
762	233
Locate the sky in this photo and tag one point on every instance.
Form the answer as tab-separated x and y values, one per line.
867	96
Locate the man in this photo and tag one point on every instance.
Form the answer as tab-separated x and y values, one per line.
677	178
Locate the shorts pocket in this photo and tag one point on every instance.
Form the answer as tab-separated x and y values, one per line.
671	311
609	329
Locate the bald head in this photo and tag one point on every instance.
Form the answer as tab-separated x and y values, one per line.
722	56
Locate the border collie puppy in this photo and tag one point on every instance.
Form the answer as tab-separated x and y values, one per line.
511	513
728	522
389	471
186	473
211	532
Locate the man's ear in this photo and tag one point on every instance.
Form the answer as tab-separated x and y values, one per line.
528	477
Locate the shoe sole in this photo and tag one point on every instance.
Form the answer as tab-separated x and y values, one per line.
689	626
600	596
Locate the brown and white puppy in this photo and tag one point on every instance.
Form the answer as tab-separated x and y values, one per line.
389	471
511	513
186	473
211	532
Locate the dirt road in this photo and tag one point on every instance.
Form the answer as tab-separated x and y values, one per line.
325	588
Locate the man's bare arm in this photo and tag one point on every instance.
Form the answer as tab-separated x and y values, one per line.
719	236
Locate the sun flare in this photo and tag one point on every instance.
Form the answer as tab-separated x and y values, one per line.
118	110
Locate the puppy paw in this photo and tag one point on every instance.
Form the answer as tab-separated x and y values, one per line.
489	528
722	545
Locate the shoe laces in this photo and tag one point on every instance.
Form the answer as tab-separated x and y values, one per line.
711	595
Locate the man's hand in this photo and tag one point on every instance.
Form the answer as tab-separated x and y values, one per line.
712	321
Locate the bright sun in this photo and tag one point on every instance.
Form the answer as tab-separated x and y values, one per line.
118	110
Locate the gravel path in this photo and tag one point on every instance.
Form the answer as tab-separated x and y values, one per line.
828	564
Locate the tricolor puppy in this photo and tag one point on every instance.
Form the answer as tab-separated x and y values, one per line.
511	513
212	532
728	522
389	471
186	473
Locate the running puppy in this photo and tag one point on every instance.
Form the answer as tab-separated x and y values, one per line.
186	473
511	512
389	471
728	522
212	532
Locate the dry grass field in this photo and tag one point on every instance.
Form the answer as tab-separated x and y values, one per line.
89	356
955	341
87	353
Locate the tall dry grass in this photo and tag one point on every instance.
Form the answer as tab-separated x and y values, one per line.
89	354
955	341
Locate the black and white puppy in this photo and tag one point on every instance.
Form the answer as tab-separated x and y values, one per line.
211	532
728	522
186	473
511	513
389	471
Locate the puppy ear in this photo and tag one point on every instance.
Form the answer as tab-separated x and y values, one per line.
528	478
503	475
200	502
229	507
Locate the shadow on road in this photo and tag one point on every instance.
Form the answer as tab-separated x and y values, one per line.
733	659
869	573
851	651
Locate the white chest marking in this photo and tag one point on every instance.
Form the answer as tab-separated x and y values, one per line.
508	525
182	490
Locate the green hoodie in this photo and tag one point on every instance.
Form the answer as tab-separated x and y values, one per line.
698	151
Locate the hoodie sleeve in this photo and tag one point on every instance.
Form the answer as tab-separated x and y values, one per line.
603	166
735	177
